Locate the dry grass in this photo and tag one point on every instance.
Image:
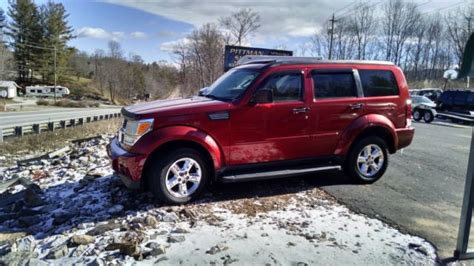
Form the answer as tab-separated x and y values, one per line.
68	103
48	141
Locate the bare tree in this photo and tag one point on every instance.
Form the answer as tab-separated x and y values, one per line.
459	27
363	26
400	20
241	23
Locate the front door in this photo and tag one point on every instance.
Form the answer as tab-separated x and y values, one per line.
273	131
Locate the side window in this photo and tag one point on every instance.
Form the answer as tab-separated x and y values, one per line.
285	86
378	83
334	85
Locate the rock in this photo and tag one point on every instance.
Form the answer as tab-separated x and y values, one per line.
7	237
58	252
77	240
78	251
62	217
27	221
418	248
217	248
176	238
102	228
32	199
156	249
97	262
151	221
115	209
181	229
26	244
170	217
129	249
17	258
36	262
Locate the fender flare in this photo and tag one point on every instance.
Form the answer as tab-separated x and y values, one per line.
159	137
361	124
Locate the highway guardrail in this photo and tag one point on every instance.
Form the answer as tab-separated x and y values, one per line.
51	125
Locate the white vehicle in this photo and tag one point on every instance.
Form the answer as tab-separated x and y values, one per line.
46	91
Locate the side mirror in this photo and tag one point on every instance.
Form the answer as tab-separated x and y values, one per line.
263	96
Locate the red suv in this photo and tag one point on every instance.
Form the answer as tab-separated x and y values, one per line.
265	119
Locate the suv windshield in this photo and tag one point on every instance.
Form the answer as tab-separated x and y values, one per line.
232	84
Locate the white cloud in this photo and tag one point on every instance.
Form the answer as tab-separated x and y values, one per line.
138	35
278	18
169	46
99	33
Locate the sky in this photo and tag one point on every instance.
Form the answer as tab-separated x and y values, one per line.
150	28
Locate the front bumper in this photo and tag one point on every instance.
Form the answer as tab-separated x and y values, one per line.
405	136
128	166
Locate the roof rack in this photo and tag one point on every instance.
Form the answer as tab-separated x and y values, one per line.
261	59
272	59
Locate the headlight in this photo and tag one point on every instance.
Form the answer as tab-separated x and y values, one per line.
132	130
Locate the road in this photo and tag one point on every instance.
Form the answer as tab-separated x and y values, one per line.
10	119
422	190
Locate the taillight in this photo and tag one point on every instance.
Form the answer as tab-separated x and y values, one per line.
408	113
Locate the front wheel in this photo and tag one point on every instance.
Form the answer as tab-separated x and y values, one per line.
179	176
367	161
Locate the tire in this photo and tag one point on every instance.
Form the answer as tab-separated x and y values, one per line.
354	169
417	114
428	116
162	173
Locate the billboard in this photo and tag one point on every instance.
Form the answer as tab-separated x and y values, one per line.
232	54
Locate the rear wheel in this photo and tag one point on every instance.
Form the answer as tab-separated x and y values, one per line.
417	115
428	116
180	176
367	161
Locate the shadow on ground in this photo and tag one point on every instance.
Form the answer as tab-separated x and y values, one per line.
103	199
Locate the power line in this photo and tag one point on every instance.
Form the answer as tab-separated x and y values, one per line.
444	8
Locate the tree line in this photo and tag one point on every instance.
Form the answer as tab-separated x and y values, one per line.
423	44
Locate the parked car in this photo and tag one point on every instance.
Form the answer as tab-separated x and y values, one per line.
461	101
266	119
423	108
430	93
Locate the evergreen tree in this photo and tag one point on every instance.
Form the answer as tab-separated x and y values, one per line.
25	31
56	34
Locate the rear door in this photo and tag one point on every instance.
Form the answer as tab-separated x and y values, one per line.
335	105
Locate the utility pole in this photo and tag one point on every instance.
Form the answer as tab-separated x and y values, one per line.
332	20
55	74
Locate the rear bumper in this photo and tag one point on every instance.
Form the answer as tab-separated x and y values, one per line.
128	166
405	136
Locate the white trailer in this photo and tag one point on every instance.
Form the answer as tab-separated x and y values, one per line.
46	91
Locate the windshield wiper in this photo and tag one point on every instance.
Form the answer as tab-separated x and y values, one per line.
216	97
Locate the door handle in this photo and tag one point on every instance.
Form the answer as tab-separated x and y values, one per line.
356	106
300	110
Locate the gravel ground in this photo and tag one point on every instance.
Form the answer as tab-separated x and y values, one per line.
81	213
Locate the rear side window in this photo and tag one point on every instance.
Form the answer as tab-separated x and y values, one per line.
285	86
334	85
378	83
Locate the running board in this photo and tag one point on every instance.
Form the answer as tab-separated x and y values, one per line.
275	174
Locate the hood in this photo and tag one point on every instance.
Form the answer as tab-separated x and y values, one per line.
171	107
